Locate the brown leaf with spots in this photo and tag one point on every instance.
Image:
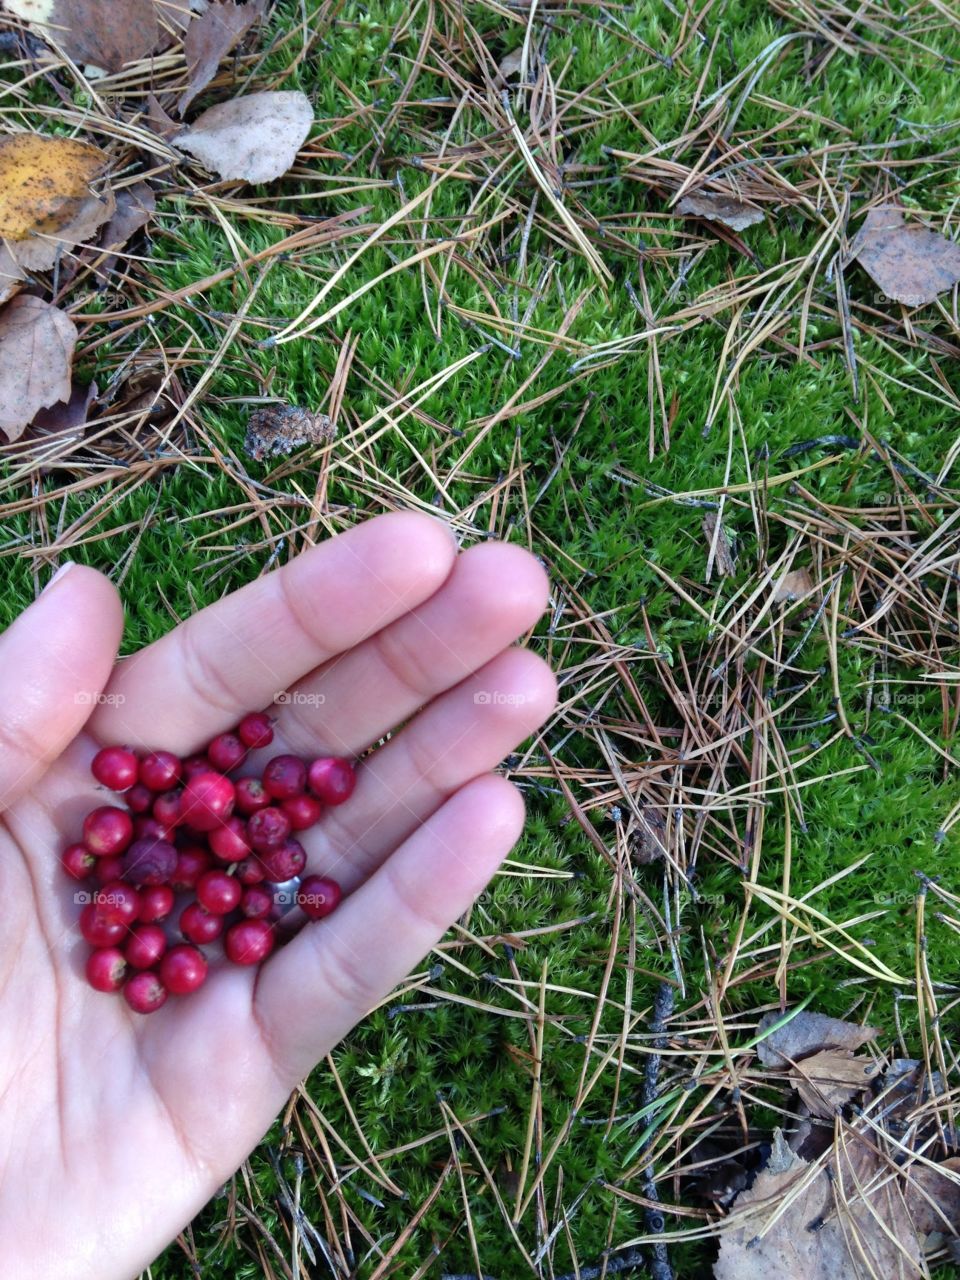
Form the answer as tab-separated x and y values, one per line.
733	213
831	1078
255	138
37	342
211	37
910	263
100	33
44	183
41	252
807	1033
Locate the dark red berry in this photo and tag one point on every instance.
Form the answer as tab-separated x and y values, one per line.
107	830
230	842
332	779
267	829
183	969
77	861
106	969
167	807
218	893
150	862
257	902
156	903
198	925
303	811
144	992
251	796
117	903
146	827
109	869
249	941
160	770
318	896
250	871
285	862
255	730
226	752
145	946
194	765
192	862
139	799
99	933
115	767
285	776
207	801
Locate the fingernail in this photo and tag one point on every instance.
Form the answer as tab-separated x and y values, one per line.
64	569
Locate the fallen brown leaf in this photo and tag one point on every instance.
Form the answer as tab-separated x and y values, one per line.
67	418
211	37
807	1033
99	33
135	206
278	429
41	252
831	1078
733	213
44	183
793	586
11	276
933	1197
37	342
910	263
255	138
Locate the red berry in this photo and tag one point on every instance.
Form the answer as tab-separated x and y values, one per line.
332	779
250	871
249	941
109	869
144	992
150	862
207	801
285	776
257	902
303	811
139	798
116	903
318	896
167	807
194	765
251	796
198	925
77	861
230	842
106	969
99	933
146	827
218	893
192	862
156	903
107	830
160	770
145	946
285	862
115	767
255	730
226	752
183	969
267	829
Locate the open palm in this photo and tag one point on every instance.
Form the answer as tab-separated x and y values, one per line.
115	1129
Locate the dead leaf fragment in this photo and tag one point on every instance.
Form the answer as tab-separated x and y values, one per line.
933	1197
211	37
255	138
646	834
135	206
41	252
278	429
733	213
37	342
44	183
793	586
910	263
11	276
715	532
103	33
807	1033
831	1078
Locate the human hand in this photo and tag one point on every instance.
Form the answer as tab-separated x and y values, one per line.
116	1129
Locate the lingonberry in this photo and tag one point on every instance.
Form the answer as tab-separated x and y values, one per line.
160	770
251	796
156	903
150	862
226	752
106	969
285	862
167	807
267	829
147	827
332	779
116	903
194	765
257	902
230	842
207	801
192	862
303	811
249	941
218	893
107	830
139	798
145	946
77	861
255	730
99	933
198	925
318	896
109	869
144	992
183	969
250	871
285	776
115	767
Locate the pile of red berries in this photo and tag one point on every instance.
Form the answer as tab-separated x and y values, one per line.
215	848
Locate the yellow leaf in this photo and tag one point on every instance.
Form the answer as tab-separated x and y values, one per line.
44	183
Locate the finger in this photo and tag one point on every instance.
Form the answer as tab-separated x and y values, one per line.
456	738
238	654
493	595
312	992
54	661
